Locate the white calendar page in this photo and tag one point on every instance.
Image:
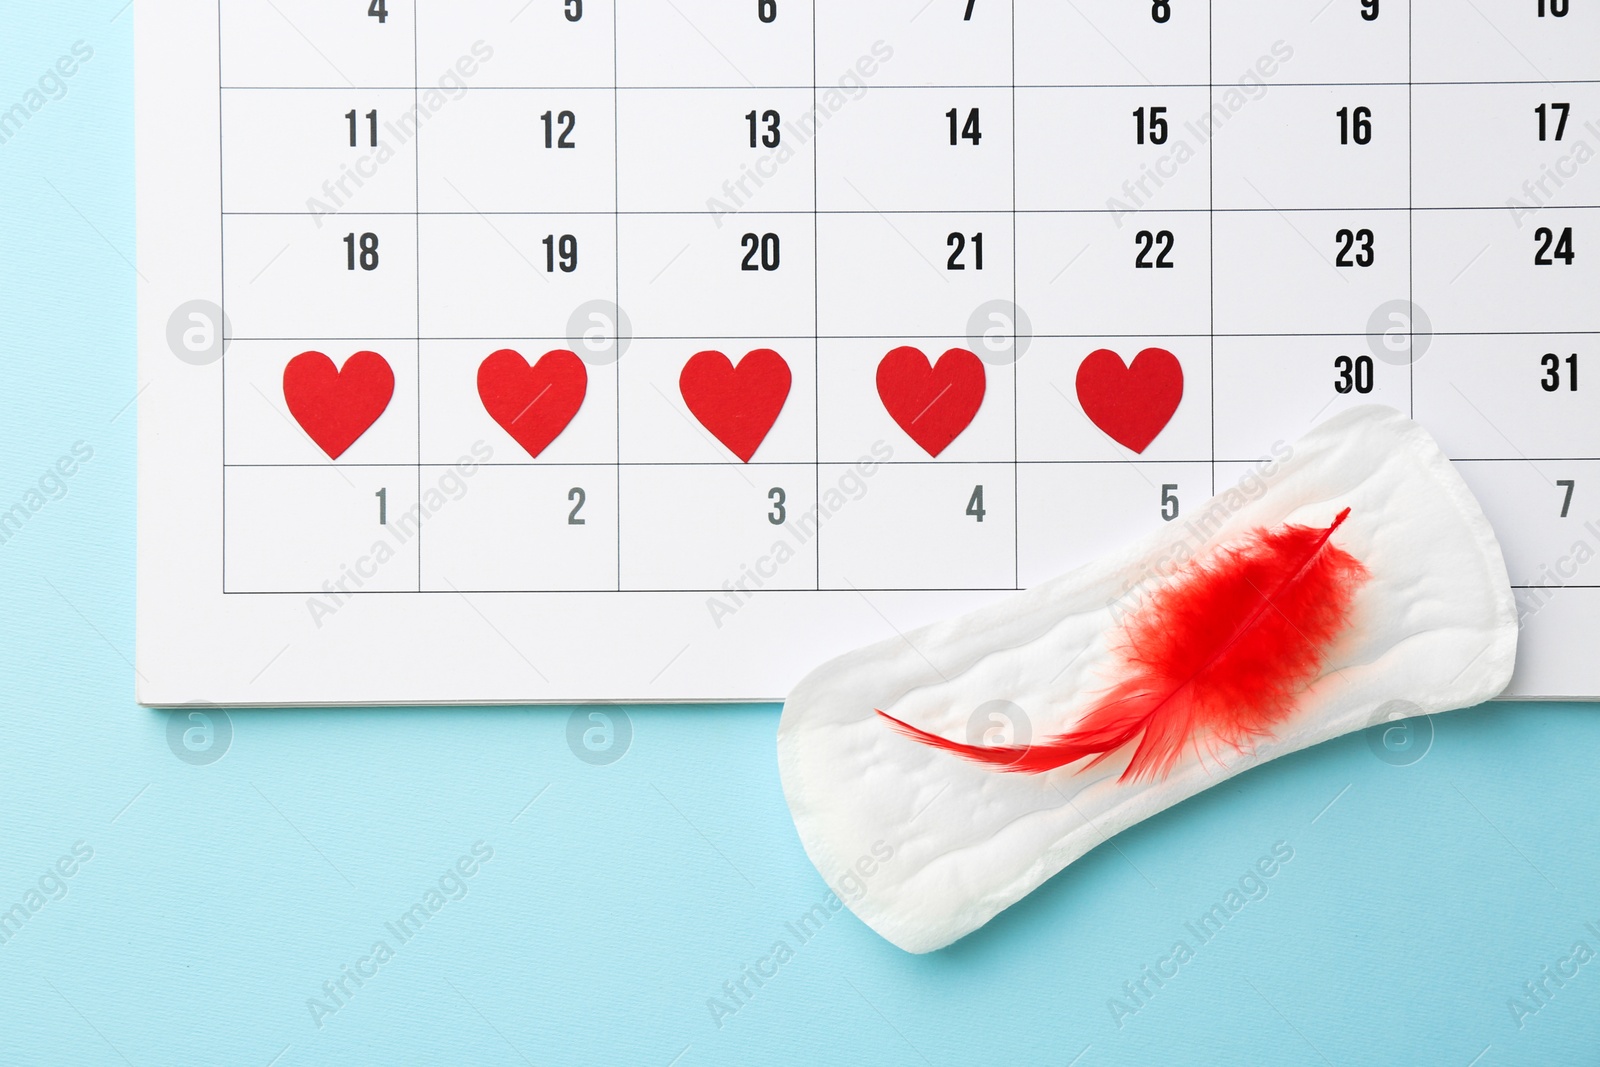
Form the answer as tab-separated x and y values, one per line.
551	350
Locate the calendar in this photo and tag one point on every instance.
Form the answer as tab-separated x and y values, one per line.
590	350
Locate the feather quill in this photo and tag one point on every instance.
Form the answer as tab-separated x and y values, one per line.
1220	653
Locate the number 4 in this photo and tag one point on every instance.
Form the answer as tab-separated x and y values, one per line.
379	9
975	503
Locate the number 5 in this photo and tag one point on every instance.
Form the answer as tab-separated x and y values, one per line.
1169	502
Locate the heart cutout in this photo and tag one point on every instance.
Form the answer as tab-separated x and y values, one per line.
932	403
1130	403
737	404
335	405
533	403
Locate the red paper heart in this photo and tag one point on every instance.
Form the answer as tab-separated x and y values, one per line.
337	405
737	404
533	404
1132	404
932	403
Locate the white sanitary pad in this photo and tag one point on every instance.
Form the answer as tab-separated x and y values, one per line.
1433	628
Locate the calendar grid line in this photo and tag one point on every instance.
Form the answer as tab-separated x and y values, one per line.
1211	240
757	464
1411	217
1280	209
416	158
616	259
816	300
222	303
700	592
1360	84
908	334
1016	451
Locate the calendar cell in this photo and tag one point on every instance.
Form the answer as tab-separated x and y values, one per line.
517	44
920	526
455	420
342	276
1349	42
303	43
719	527
1467	261
917	150
688	276
315	529
261	430
854	418
1526	395
512	275
720	151
352	150
496	150
1114	42
1053	426
1309	271
521	528
915	42
729	43
1070	514
1520	147
1115	273
1529	40
1129	148
1546	515
1316	146
659	426
943	268
1309	379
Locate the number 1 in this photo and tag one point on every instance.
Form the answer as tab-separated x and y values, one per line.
383	506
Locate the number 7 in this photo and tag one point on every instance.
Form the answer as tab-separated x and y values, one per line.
1566	504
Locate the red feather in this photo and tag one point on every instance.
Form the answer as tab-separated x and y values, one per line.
1222	653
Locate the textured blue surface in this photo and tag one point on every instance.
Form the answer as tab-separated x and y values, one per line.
1419	901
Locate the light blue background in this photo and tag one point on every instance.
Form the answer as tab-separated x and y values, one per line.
220	898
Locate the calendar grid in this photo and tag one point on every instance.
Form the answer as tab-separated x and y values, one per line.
1240	149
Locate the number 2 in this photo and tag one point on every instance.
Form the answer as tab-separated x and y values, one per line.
1147	242
577	493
